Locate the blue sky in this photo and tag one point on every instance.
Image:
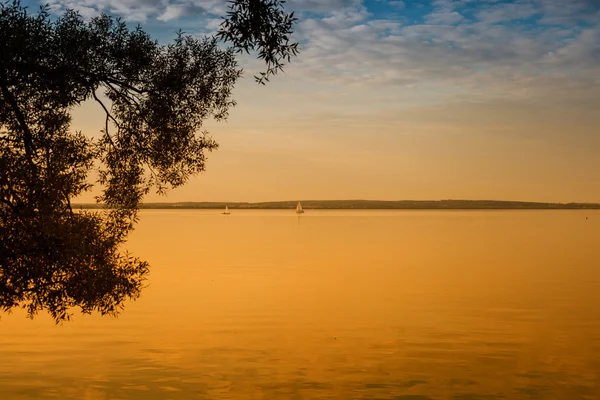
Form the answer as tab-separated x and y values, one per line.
404	99
444	47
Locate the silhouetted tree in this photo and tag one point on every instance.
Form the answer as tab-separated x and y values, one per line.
154	98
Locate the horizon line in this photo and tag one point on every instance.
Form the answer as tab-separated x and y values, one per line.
359	200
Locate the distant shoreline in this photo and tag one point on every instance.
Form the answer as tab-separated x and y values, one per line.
366	205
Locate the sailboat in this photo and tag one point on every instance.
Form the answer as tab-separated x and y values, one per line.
226	212
299	209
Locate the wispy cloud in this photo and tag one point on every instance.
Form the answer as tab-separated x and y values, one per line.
397	3
451	49
502	12
173	12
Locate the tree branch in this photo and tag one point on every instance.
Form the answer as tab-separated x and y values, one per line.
27	136
124	84
108	115
128	98
68	201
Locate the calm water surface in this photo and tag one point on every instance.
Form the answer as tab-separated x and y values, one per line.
334	305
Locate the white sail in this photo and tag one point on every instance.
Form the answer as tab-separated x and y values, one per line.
299	209
226	210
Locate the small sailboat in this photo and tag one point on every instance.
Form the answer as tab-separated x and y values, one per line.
226	212
299	209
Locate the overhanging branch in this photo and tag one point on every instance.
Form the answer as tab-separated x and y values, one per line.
108	116
27	136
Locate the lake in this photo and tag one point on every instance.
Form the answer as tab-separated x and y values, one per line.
388	305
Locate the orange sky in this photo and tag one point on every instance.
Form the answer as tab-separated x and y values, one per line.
503	112
280	144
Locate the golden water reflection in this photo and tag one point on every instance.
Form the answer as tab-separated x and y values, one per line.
335	305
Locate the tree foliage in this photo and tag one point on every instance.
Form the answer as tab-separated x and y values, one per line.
155	99
260	24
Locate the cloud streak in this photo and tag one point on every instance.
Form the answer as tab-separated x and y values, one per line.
452	49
